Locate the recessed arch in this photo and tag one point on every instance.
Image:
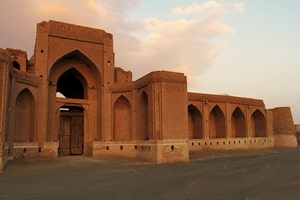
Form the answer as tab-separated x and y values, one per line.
195	128
78	60
121	119
77	54
143	119
71	84
238	123
217	123
258	124
25	117
75	65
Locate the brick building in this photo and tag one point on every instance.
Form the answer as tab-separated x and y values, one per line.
71	99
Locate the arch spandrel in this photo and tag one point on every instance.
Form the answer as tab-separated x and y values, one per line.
73	58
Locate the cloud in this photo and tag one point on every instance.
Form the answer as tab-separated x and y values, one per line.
239	6
196	8
182	44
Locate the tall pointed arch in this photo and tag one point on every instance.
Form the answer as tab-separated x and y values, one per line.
122	119
195	129
217	123
258	124
76	76
71	84
238	123
25	117
143	120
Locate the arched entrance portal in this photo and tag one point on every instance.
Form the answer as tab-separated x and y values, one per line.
71	131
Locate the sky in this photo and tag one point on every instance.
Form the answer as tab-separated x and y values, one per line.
246	48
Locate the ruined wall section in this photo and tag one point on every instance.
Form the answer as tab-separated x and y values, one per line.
18	59
4	80
284	128
121	76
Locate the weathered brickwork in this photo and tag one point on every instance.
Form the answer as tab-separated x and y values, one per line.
70	98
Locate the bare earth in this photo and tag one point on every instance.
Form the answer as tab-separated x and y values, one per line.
251	175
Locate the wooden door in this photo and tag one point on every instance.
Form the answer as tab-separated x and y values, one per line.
71	134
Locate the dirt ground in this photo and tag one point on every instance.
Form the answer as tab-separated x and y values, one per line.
248	175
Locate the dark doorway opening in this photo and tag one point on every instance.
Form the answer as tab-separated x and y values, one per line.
71	84
71	131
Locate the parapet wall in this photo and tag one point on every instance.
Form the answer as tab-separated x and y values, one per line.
224	99
231	143
161	151
76	32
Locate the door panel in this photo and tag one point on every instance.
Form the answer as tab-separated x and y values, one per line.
71	134
77	136
65	135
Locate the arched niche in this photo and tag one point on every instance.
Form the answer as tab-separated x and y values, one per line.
217	127
71	84
238	123
25	117
121	119
195	129
258	124
143	117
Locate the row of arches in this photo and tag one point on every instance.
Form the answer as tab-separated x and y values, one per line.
217	124
122	120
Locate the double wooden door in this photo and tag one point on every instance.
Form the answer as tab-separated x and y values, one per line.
71	133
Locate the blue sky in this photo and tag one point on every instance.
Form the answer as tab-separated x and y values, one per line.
245	48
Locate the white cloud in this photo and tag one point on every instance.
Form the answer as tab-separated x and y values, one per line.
197	8
239	6
183	44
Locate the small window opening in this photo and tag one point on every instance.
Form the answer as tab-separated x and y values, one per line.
16	65
172	147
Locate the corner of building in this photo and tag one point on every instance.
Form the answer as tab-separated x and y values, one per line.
284	128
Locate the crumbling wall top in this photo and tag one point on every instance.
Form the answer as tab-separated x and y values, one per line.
224	98
3	55
76	32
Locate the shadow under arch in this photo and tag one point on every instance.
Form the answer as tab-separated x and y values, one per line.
143	119
238	123
195	127
258	124
217	127
72	84
25	117
121	119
